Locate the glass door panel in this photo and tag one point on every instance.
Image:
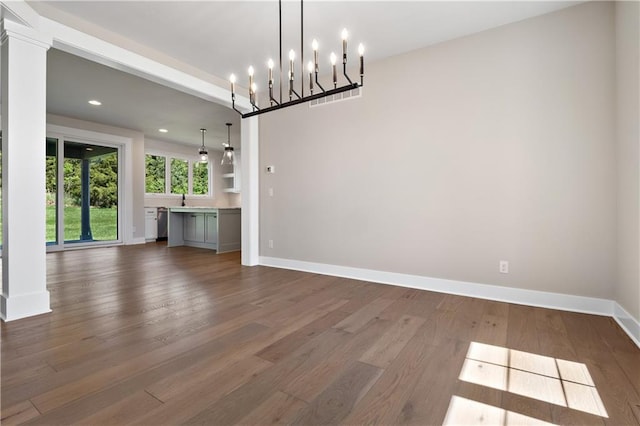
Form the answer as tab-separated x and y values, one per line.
51	196
1	191
90	193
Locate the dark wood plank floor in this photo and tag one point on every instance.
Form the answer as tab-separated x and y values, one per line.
150	335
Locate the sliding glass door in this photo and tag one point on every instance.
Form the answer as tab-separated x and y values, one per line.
83	192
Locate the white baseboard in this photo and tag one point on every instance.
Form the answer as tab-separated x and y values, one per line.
628	323
24	305
565	302
134	241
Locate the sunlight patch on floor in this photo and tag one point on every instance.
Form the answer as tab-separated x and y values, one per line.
556	381
464	411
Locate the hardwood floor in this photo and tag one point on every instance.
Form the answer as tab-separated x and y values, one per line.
149	335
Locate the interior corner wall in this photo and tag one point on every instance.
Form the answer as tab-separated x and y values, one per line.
496	146
137	181
627	19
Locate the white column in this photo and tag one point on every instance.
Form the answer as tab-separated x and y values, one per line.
250	188
24	76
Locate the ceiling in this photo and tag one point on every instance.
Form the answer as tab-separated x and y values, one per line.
217	38
131	102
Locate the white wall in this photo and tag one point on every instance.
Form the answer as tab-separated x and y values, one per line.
627	18
219	198
495	146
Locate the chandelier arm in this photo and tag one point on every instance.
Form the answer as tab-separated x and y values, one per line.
233	104
296	93
302	100
344	71
318	84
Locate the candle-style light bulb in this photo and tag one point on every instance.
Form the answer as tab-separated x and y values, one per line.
333	58
254	89
361	53
232	80
345	35
310	68
314	46
270	65
292	57
250	71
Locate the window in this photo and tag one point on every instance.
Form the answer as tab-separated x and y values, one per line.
179	176
155	167
201	178
166	174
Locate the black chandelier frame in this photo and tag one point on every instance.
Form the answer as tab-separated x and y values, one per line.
294	97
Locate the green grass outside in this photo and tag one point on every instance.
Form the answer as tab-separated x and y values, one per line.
104	223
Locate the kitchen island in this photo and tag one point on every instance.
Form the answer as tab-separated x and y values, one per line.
213	228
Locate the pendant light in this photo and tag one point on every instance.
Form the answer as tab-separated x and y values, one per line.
228	158
202	152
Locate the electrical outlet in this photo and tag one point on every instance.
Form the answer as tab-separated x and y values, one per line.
270	192
270	243
504	267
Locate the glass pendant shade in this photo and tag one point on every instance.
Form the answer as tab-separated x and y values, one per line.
228	157
204	155
202	152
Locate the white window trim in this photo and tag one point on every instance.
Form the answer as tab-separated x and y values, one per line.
167	175
125	172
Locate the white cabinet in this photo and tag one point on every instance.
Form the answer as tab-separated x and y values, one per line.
150	223
211	228
194	227
231	176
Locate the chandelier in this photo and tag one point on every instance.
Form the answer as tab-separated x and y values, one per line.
296	98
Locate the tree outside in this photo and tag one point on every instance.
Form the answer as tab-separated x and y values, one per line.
179	176
103	197
155	172
201	178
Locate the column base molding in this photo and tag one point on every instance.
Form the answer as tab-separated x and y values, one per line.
24	305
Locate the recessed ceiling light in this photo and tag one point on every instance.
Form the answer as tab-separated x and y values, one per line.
95	102
163	130
89	149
